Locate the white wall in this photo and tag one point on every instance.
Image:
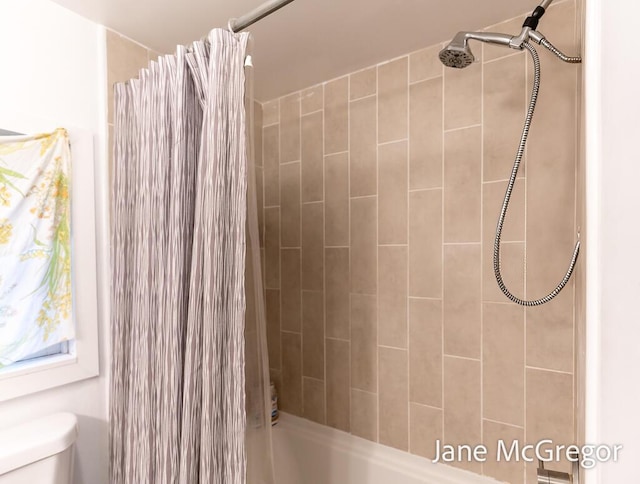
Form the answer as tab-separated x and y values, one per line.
54	69
613	240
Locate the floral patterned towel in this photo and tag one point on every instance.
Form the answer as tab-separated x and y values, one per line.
35	244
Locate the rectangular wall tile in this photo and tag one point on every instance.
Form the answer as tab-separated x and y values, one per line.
271	112
312	99
393	85
505	471
314	398
462	403
504	110
511	252
425	134
273	327
462	300
492	198
290	205
503	363
550	330
290	128
290	396
259	183
257	132
462	185
337	292
545	421
271	155
338	386
363	83
364	337
425	351
272	247
425	244
312	157
336	175
425	64
425	427
363	145
313	334
512	268
363	245
463	95
291	312
392	293
393	418
312	246
364	414
392	196
336	103
124	60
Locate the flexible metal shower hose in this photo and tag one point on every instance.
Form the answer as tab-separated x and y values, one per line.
514	173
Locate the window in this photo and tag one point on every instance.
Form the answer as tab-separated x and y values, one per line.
68	317
36	304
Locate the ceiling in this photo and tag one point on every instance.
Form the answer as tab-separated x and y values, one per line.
308	41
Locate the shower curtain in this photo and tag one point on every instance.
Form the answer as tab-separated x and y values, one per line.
189	401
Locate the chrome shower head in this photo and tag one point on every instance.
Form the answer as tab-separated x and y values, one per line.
458	54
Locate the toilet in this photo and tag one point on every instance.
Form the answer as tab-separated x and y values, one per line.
40	451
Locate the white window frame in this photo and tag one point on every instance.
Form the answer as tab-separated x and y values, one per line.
89	207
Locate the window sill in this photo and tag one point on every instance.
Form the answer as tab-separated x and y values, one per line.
33	376
36	365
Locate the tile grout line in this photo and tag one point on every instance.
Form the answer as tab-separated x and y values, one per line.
442	260
503	423
324	266
462	128
461	243
279	236
377	349
426	79
466	358
482	133
301	312
361	97
576	222
418	190
407	260
524	270
348	108
549	370
390	142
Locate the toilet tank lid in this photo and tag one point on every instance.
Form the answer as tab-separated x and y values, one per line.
32	441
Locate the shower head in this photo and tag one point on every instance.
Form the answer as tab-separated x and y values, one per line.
458	54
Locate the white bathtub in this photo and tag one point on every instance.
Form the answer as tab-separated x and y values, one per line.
308	453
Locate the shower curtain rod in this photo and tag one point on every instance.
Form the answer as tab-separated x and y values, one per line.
271	6
258	13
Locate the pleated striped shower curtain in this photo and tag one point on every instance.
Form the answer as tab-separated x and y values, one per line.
189	400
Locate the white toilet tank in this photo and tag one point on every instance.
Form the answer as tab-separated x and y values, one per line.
39	452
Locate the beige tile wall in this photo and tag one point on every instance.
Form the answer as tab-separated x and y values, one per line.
381	193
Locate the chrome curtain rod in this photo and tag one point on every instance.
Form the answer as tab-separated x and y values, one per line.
262	11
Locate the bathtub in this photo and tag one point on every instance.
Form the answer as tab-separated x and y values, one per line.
309	453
